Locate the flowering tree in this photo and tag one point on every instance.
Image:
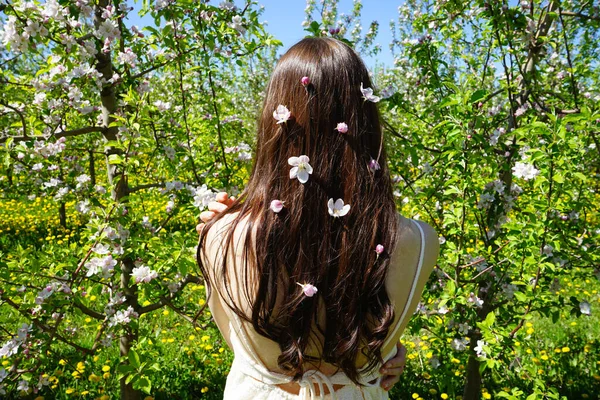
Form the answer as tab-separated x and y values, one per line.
98	111
495	127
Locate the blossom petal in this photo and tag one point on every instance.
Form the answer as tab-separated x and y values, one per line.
344	210
294	161
293	172
330	207
308	168
302	175
339	203
304	159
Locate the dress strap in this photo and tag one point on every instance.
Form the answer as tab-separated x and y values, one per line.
413	287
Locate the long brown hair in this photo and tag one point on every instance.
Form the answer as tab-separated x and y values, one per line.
303	243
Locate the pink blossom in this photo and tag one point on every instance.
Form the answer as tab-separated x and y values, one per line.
276	206
342	127
308	289
379	249
374	165
305	81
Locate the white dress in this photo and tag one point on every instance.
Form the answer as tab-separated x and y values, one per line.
249	379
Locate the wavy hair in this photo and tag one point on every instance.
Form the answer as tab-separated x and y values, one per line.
303	242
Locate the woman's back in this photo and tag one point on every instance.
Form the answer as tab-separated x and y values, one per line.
401	279
320	204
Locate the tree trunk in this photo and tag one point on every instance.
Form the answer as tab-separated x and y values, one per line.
62	212
92	168
119	189
473	385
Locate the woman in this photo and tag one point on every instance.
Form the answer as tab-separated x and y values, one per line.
311	272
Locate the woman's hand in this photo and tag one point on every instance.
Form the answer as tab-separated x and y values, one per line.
223	201
393	368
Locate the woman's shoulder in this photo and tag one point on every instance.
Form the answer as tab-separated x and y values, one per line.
424	241
413	248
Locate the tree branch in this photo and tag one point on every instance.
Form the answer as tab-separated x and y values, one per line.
20	116
580	15
166	301
45	328
58	135
88	311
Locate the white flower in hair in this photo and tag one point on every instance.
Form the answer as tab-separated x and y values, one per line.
338	209
281	114
368	94
301	168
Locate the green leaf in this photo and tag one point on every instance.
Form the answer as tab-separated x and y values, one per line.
144	384
115	159
452	190
134	358
521	296
489	320
450	288
558	178
580	176
478	95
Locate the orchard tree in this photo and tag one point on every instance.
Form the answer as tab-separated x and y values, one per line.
494	127
99	111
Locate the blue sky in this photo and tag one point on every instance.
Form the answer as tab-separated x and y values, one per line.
284	21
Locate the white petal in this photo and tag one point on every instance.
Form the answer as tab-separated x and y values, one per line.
344	210
330	206
339	203
294	161
302	176
293	172
308	168
304	159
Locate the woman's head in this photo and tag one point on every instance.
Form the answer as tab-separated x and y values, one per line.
332	96
304	243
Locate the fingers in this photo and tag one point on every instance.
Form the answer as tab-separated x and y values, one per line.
399	360
217	207
206	216
221	197
223	201
389	381
393	371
